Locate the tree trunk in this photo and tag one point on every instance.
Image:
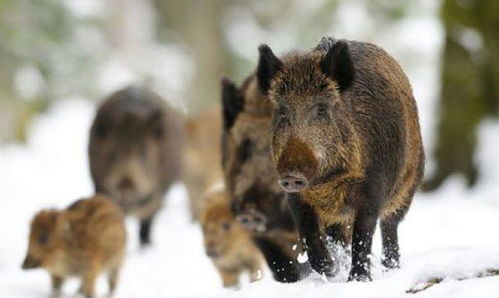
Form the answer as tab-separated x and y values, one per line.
200	26
470	76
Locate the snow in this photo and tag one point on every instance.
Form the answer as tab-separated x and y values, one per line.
450	234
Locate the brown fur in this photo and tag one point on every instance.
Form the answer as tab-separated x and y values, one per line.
227	243
251	178
356	139
256	171
84	240
351	162
297	154
202	157
134	152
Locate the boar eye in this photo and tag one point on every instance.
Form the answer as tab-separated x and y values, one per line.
322	111
226	226
101	131
244	150
155	121
281	116
158	132
43	238
282	113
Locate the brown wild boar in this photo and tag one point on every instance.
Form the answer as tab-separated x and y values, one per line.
226	242
251	179
84	240
134	152
346	144
201	156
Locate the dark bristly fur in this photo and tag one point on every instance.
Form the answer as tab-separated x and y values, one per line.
336	65
251	178
272	66
232	108
347	146
134	152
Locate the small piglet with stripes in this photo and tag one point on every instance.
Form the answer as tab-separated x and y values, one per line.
84	240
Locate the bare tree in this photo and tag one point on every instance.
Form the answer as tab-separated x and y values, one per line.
470	80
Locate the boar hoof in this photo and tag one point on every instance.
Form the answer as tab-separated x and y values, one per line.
363	276
390	264
325	267
81	293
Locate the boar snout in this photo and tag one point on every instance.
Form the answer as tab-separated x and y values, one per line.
211	250
126	183
293	183
253	220
31	263
296	166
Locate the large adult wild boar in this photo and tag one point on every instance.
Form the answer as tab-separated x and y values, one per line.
134	152
346	144
250	178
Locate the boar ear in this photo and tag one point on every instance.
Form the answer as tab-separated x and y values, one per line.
268	66
337	64
232	103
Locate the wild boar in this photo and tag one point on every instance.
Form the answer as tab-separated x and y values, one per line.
134	152
84	240
226	242
202	166
251	179
346	144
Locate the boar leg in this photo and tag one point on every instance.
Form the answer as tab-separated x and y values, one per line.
337	234
145	230
230	278
363	230
284	268
255	271
89	278
391	255
57	282
113	279
307	221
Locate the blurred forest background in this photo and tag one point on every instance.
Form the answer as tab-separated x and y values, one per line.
52	50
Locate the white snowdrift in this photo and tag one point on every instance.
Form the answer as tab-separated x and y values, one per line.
451	234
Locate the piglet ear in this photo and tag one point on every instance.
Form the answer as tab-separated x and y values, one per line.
338	65
232	103
268	66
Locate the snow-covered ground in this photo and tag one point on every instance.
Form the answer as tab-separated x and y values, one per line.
448	234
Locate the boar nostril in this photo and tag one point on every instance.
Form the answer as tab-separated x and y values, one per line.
126	183
259	219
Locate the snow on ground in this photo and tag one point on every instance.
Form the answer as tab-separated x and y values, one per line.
448	234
